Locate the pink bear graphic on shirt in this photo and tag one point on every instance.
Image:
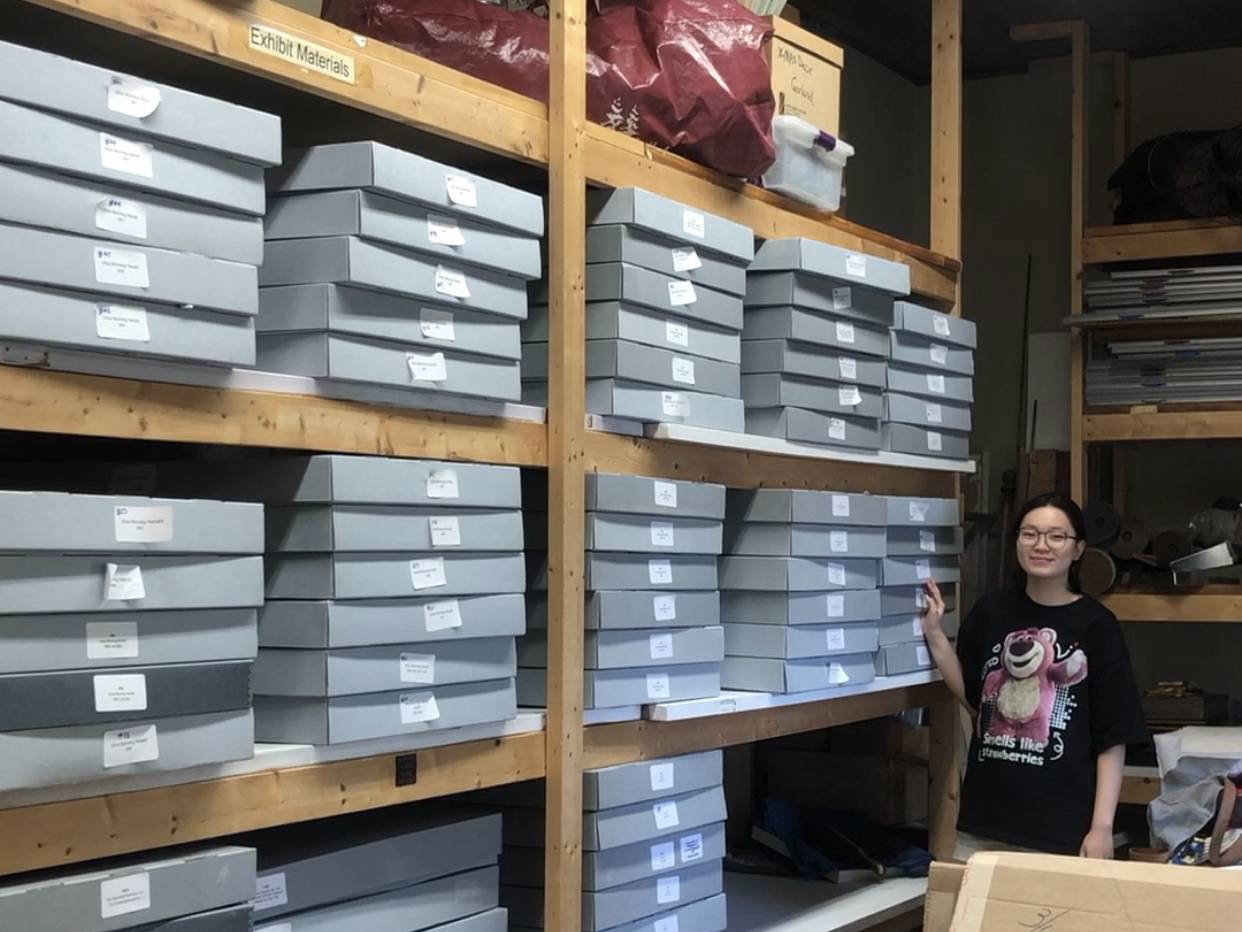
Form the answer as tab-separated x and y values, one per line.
1024	689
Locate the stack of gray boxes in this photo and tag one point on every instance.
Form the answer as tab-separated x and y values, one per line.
198	890
432	871
653	609
386	268
394	596
924	543
653	839
664	286
930	375
799	600
815	342
127	635
130	213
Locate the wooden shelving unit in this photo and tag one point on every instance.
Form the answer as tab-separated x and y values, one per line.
206	44
1175	239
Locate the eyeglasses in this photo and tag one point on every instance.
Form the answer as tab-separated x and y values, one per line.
1056	538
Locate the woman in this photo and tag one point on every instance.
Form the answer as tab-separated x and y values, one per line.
1045	672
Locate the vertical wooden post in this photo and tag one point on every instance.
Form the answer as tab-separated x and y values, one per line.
566	494
1121	107
1078	223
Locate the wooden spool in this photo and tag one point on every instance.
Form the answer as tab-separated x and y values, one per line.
1103	524
1170	545
1097	573
1131	541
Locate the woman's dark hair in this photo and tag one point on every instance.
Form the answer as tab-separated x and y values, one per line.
1068	507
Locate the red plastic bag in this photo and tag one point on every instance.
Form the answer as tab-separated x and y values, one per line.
687	75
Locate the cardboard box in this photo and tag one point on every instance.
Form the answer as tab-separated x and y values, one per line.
615	827
825	261
914	571
913	541
639	287
637	648
807	291
799	642
58	260
640	402
63	699
324	528
799	608
667	218
382	668
801	426
608	909
636	246
944	328
606	870
627	784
797	574
707	915
921	512
393	575
934	415
232	919
83	753
793	323
944	882
45	643
607	689
414	710
34	198
896	659
806	506
53	584
804	540
620	611
759	674
908	629
359	312
892	792
919	441
638	363
806	76
938	386
373	216
494	920
810	361
614	320
884	737
607	531
640	495
772	390
408	177
914	350
632	572
306	624
912	600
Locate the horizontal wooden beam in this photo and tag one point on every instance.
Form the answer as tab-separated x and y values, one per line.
98	406
1174	240
1043	32
55	834
1212	604
1163	424
1139	791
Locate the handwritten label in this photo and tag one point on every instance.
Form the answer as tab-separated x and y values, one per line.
691	847
122	322
663	776
916	625
136	745
935	443
442	483
836	606
299	52
837	675
451	282
840	506
427	367
676	334
270	891
661	534
839	541
935	414
445	531
845	331
132	524
927	541
120	896
856	266
668	889
427	573
836	574
674	404
848	396
848	367
836	428
126	156
461	190
444	231
661	646
133	98
663	857
437	325
111	640
121	267
417	668
660	572
918	512
683	370
441	616
836	639
842	299
939	354
940	324
922	569
935	383
694	223
121	216
681	293
922	656
123	583
658	686
418	707
120	692
667	924
664	607
686	259
665	493
666	816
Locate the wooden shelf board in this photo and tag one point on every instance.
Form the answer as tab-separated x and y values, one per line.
1164	422
1173	240
1212	604
1139	789
760	903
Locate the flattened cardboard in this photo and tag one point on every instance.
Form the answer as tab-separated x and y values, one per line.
648	365
647	496
821	259
607	531
934	415
920	441
913	318
378	528
634	649
797	574
638	208
914	571
607	689
614	320
804	540
793	323
391	575
913	542
627	784
799	608
796	642
930	354
632	572
629	284
760	674
806	506
773	390
666	255
811	361
307	624
801	426
923	383
809	292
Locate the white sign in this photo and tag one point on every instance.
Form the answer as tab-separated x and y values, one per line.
427	367
133	524
121	267
667	924
666	816
660	572
848	396
111	640
837	675
664	607
418	707
691	848
839	541
461	190
299	52
120	896
122	322
849	367
683	370
427	573
270	891
840	506
836	639
918	512
842	299
665	493
132	98
663	857
444	231
123	583
681	293
940	324
686	259
927	541
661	534
694	223
935	383
916	625
836	428
668	889
440	616
922	569
120	692
123	216
674	404
676	334
442	483
935	414
418	668
126	156
658	686
663	777
845	331
836	574
922	655
437	325
445	532
451	282
661	646
939	354
935	443
856	265
836	606
135	745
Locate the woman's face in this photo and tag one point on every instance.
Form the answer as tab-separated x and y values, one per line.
1047	545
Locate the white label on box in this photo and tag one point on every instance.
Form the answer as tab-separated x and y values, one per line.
271	891
940	324
849	367
935	442
111	640
918	512
840	506
927	541
661	534
939	354
849	396
667	924
836	606
691	848
668	889
120	896
301	53
125	155
442	483
123	216
839	541
658	687
120	692
845	331
922	655
836	428
418	707
856	265
681	293
663	857
142	525
132	98
935	383
428	573
836	574
683	370
440	616
665	493
135	745
920	599
661	646
837	675
916	625
676	334
445	531
437	325
686	259
922	569
418	668
666	816
694	223
674	404
935	414
122	322
121	267
664	607
123	583
836	639
660	572
444	231
842	298
663	776
427	367
451	282
461	190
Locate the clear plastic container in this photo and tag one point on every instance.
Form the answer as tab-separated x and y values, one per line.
809	163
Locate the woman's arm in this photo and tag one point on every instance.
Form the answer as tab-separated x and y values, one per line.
1108	774
941	648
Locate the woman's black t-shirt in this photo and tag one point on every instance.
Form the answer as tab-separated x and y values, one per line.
1054	688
